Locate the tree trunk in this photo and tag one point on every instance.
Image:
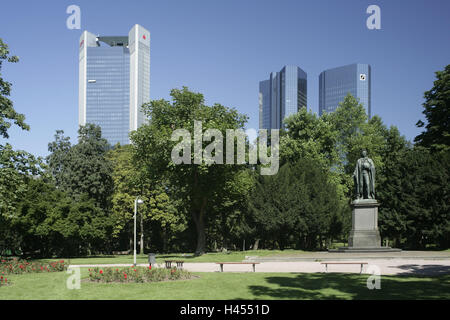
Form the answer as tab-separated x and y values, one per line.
255	246
200	227
201	236
164	237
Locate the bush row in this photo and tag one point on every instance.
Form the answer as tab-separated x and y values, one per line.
18	266
137	274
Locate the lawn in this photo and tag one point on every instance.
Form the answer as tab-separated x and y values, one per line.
231	286
231	256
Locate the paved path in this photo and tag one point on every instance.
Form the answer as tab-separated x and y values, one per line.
390	266
342	256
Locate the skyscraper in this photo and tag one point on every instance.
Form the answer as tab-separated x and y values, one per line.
114	81
335	84
280	96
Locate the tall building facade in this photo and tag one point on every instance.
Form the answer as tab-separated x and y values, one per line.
114	81
336	83
282	95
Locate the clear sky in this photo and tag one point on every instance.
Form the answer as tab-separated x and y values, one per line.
223	49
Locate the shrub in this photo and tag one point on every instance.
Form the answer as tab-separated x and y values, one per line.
3	281
136	274
16	266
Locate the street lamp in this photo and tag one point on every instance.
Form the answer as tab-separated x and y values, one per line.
136	202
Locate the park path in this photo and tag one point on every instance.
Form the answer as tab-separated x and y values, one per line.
385	266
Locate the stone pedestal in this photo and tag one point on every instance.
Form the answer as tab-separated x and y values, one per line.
365	236
365	232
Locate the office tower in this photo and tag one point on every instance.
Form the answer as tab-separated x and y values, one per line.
280	96
335	84
114	82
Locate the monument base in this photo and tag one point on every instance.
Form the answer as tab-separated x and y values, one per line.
364	250
365	236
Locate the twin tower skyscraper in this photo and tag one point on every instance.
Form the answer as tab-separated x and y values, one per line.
114	82
286	92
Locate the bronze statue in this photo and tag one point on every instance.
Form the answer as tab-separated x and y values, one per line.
364	177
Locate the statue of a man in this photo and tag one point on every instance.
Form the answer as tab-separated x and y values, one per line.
364	177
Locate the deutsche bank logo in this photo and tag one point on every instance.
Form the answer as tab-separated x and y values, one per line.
362	77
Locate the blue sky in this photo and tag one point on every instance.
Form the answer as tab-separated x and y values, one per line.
223	49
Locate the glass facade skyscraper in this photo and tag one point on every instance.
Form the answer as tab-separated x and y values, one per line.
114	81
335	84
282	95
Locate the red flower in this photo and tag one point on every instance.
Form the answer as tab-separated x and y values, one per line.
101	271
125	275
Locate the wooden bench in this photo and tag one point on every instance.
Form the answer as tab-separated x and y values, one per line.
178	262
222	263
327	263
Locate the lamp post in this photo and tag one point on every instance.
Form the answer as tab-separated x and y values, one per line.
136	202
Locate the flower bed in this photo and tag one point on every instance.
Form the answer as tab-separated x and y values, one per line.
137	274
3	281
16	266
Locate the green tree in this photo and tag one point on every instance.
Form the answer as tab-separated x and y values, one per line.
309	136
230	222
165	213
57	159
48	222
125	190
16	167
437	112
7	112
83	168
415	199
158	206
296	206
196	184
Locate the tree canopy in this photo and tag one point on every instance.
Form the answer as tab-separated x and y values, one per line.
437	112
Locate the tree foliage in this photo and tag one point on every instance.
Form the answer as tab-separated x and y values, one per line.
437	112
415	199
48	222
197	184
7	113
82	169
297	206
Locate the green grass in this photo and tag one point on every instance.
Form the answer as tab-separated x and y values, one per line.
231	256
234	256
231	286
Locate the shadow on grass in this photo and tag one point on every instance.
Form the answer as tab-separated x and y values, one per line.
428	270
350	286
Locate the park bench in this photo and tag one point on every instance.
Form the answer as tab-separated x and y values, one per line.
222	263
121	252
326	263
178	262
